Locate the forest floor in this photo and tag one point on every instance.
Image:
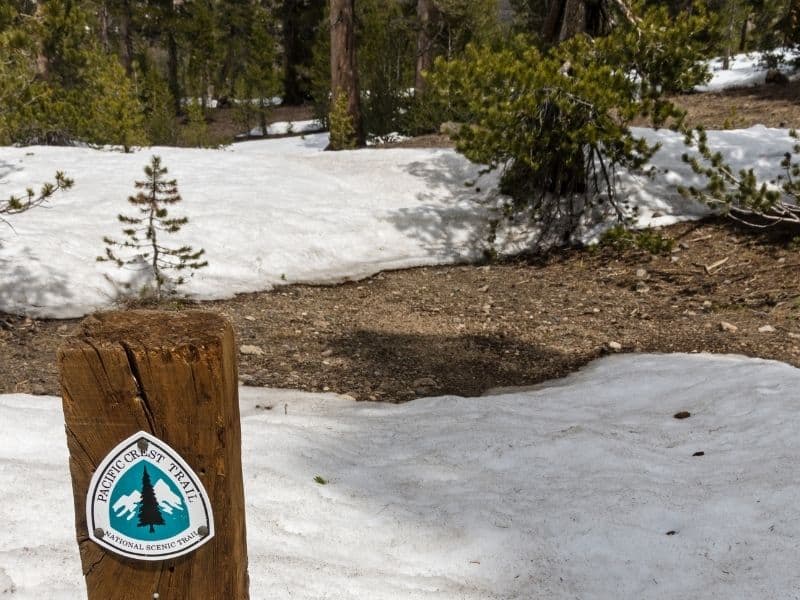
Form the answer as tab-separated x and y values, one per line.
466	329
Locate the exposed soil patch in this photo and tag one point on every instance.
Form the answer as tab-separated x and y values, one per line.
224	124
466	329
771	105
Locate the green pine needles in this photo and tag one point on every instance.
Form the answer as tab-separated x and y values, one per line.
144	233
741	195
342	130
556	122
15	205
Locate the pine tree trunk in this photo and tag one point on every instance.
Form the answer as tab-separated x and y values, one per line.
743	33
573	21
172	70
127	36
568	18
103	18
552	21
344	69
292	92
42	62
726	60
425	17
790	24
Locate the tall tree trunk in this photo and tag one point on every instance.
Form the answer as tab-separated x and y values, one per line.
299	19
743	32
790	24
42	62
552	21
104	20
344	67
573	21
292	93
568	18
425	18
726	59
172	71
127	36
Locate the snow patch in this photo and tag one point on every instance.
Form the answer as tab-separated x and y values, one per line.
746	70
280	211
568	490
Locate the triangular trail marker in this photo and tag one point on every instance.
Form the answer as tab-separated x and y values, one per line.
145	502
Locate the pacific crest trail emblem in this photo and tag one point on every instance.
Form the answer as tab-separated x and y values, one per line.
146	503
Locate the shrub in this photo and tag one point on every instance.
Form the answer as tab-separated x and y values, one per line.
622	238
57	86
196	133
557	122
343	133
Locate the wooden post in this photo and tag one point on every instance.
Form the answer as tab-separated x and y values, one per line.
172	375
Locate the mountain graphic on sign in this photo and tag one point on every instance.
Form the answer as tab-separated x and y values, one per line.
146	504
127	507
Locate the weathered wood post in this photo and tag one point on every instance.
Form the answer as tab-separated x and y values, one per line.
152	422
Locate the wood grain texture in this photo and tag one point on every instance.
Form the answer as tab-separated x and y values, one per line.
173	375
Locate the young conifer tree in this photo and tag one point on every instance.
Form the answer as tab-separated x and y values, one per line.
142	232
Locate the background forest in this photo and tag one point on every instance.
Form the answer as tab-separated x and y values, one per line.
138	72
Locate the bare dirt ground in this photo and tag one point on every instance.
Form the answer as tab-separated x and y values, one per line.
771	105
466	329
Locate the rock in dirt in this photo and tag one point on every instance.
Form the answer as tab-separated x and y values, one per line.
428	382
729	327
615	346
776	77
251	351
766	329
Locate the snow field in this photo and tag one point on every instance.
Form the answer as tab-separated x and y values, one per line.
745	70
280	211
564	491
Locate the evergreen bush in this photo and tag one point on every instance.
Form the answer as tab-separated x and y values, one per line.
342	130
57	86
196	132
556	122
742	195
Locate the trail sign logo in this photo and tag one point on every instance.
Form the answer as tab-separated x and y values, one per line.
146	503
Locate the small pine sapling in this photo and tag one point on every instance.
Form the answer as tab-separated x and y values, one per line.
342	130
142	232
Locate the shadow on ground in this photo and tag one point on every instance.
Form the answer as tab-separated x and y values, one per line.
405	366
458	228
25	282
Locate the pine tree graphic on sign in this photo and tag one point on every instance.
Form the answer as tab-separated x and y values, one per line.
149	513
